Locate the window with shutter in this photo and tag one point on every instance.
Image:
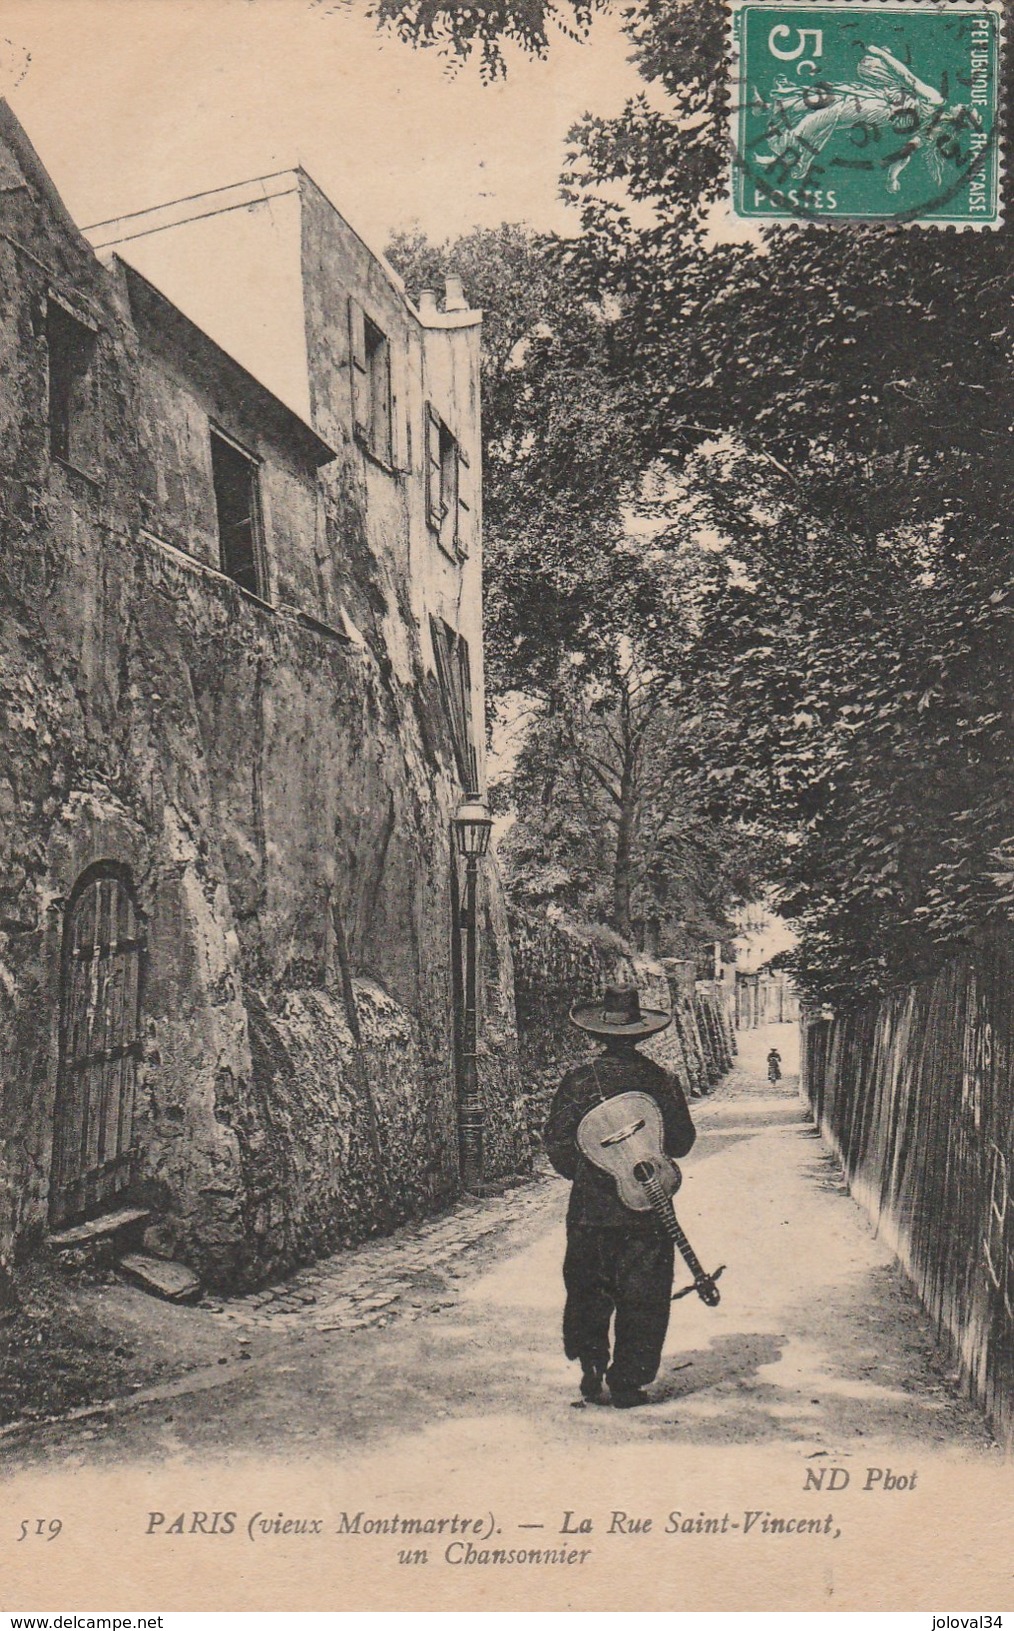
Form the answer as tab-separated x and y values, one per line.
370	371
434	470
462	534
446	491
455	675
357	369
449	491
465	687
378	370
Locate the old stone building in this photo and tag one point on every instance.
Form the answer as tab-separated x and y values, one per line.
241	674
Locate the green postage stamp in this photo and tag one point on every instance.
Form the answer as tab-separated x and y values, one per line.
859	111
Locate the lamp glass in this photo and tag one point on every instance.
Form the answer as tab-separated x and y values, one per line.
472	826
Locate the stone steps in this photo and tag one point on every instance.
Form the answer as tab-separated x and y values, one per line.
83	1235
173	1282
113	1241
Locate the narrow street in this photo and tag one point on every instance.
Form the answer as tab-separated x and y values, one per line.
423	1373
487	584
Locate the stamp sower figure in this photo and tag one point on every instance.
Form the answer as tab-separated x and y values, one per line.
617	1260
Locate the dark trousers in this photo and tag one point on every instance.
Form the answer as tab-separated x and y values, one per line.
607	1271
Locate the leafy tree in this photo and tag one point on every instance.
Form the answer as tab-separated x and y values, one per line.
458	30
610	824
582	617
873	362
830	413
852	712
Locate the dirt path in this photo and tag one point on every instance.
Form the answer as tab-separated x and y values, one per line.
818	1357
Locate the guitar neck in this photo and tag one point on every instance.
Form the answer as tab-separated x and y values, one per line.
663	1208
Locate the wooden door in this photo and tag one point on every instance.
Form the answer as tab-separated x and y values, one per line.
100	1044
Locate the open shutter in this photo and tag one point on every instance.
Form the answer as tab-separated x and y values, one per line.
357	369
463	522
434	473
454	673
382	403
399	429
468	733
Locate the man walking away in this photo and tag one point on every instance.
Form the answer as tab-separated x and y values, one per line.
617	1260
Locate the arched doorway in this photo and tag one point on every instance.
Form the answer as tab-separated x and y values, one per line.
100	1044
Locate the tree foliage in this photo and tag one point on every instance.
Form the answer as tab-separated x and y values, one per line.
481	29
853	714
584	622
835	406
611	823
822	419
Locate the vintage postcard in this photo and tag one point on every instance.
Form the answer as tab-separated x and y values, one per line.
505	807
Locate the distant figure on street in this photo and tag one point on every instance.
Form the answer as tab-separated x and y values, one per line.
774	1066
618	1260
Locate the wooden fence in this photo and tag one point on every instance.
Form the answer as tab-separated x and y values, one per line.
916	1094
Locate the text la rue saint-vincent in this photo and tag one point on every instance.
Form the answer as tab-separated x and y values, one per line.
882	1479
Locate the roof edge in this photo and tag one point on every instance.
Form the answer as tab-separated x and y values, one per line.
178	212
15	134
105	236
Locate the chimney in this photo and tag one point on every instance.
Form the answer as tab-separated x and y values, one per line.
427	303
454	295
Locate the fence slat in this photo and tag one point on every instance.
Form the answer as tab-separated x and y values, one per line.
916	1094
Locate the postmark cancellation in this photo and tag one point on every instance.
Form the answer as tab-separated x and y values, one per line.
856	110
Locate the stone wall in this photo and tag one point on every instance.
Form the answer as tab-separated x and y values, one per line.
276	780
557	964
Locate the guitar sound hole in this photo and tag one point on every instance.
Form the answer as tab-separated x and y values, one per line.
643	1171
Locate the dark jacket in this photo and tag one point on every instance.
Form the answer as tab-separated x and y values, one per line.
593	1199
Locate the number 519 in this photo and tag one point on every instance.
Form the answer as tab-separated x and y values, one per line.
48	1528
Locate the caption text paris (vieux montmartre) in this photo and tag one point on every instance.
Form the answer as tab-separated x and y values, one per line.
567	1538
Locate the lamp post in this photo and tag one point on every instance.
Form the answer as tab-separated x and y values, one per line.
472	827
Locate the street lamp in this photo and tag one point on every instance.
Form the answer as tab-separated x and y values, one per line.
472	826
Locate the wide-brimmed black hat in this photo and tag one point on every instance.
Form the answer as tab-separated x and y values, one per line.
618	1012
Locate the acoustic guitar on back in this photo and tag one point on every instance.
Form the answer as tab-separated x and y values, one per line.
623	1136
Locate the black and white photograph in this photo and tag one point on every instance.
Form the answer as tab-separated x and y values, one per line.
506	819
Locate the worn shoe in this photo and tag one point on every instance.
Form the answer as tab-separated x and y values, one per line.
628	1398
591	1384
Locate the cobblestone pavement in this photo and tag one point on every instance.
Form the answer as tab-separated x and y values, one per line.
428	1268
413	1272
444	1389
